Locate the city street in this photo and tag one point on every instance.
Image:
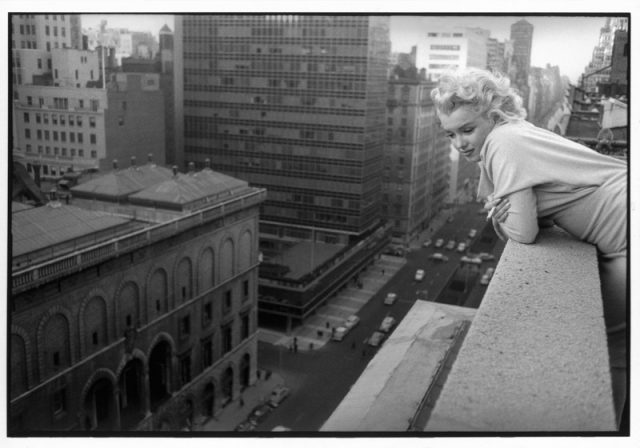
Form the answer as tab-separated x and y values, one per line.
319	379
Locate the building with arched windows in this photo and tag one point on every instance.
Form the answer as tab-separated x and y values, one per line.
133	304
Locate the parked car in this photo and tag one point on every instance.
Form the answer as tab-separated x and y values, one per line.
484	280
391	298
472	233
351	321
461	247
339	333
419	275
259	413
280	428
426	243
376	339
278	395
246	426
490	272
451	245
466	259
439	242
387	324
486	257
438	257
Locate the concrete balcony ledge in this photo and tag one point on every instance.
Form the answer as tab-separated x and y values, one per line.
535	357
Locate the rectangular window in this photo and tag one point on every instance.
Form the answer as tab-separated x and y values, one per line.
63	120
245	289
185	368
27	133
227	341
185	327
206	347
94	105
79	119
72	137
71	122
39	134
94	154
46	135
92	122
80	152
207	314
245	328
45	118
92	139
227	301
46	30
63	136
54	119
55	136
38	118
72	151
26	117
80	139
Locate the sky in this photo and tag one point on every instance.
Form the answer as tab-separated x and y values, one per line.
566	41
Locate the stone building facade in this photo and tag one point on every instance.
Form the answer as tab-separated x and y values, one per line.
136	325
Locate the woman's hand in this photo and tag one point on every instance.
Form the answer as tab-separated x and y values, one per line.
498	213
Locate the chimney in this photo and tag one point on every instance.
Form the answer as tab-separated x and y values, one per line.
175	170
133	161
150	158
192	167
207	163
115	164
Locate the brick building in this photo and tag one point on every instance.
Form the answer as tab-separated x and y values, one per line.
134	306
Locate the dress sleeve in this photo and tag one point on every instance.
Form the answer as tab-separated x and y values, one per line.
521	224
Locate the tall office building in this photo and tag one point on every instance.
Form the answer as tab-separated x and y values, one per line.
416	167
522	38
451	49
295	104
599	69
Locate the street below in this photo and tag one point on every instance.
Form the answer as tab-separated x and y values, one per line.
319	379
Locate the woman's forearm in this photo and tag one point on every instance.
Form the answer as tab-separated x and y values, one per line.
521	224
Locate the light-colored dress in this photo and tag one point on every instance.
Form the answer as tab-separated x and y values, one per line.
548	176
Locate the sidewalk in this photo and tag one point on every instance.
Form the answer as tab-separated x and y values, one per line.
227	418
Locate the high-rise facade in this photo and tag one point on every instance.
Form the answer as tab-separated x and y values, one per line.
451	49
416	167
599	69
522	38
295	104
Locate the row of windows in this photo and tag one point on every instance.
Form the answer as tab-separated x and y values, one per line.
63	103
274	104
60	136
59	151
73	120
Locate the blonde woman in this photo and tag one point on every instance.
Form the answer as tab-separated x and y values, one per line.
530	176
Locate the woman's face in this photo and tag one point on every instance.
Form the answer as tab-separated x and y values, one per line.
467	129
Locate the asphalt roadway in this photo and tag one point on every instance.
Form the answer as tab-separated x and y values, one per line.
319	379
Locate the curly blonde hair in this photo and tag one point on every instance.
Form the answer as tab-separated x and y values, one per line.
481	90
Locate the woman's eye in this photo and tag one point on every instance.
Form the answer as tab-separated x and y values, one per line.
468	130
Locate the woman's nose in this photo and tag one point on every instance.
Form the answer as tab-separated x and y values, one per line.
459	142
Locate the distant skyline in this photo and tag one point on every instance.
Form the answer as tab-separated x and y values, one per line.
565	41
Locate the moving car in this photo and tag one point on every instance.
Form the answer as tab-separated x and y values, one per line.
461	247
280	428
490	272
426	243
484	280
472	233
419	275
391	298
387	324
439	242
259	413
486	257
466	259
451	245
339	333
278	395
351	321
376	339
438	257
